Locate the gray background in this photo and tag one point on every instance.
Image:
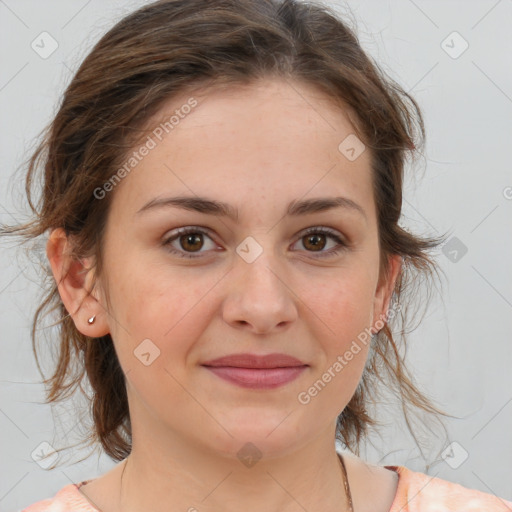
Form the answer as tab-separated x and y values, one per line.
461	353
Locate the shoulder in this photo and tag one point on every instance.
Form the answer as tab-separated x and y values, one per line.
418	492
68	499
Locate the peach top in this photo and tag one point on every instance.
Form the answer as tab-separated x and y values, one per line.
416	492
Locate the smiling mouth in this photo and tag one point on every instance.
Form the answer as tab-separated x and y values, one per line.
257	378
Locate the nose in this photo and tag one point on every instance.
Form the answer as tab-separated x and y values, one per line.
259	298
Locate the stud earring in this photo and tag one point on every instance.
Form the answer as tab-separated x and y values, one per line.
91	320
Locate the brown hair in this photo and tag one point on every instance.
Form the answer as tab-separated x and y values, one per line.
172	46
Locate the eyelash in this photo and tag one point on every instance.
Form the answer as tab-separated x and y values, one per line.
342	245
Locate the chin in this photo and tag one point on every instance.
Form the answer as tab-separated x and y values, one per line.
255	437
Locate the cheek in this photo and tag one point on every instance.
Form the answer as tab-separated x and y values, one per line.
342	310
343	303
170	312
169	308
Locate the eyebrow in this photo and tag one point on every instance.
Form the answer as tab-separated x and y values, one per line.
213	207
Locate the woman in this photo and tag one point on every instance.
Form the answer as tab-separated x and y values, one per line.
222	191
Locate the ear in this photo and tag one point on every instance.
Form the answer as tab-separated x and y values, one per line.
384	292
74	279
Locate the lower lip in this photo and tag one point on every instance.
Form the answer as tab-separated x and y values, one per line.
257	378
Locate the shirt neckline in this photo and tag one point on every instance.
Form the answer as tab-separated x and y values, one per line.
399	470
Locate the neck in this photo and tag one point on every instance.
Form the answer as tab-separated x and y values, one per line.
188	479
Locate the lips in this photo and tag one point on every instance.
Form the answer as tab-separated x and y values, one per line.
256	361
255	371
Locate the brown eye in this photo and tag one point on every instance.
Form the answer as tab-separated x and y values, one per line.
187	241
191	241
316	241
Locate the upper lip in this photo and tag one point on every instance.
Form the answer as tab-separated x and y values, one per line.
256	361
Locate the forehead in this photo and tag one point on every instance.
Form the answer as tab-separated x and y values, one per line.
272	103
273	138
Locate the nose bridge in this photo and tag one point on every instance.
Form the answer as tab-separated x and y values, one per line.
258	295
258	262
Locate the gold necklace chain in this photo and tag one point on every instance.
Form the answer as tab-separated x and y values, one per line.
345	481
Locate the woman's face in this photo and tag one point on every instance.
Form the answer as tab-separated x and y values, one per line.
251	282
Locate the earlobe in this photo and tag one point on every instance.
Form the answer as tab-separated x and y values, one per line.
384	293
74	279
